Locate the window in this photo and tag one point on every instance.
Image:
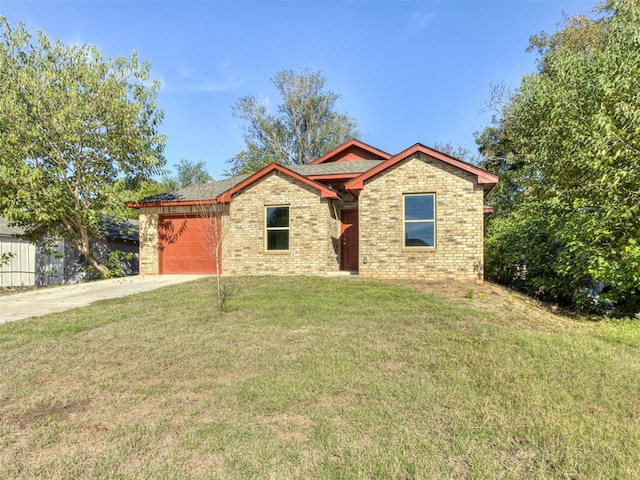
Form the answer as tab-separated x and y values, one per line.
277	226
420	220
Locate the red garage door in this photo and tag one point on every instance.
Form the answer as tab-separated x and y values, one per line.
187	244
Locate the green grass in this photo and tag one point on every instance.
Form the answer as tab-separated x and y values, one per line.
318	378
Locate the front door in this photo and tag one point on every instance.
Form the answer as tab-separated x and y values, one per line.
349	240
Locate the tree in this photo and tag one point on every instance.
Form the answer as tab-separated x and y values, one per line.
188	174
75	133
304	127
574	133
456	151
212	235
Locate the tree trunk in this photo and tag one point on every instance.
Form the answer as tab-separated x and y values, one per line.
84	247
102	268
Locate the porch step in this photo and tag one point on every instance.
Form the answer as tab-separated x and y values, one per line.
343	273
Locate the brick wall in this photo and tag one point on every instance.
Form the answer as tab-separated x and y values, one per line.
244	251
459	223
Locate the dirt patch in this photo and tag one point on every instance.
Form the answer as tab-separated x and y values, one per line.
60	409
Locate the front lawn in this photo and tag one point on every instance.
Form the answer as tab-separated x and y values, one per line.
318	378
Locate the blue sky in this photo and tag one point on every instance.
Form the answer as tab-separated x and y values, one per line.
407	71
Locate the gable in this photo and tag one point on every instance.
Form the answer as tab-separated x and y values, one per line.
483	178
275	169
350	151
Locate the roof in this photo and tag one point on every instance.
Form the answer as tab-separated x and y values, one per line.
203	193
345	169
113	228
8	230
116	229
209	191
353	163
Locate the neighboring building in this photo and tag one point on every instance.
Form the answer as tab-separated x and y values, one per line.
20	269
417	214
31	265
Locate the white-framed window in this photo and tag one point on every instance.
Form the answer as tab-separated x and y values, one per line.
277	228
419	215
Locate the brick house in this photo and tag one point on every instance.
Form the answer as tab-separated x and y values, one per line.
417	214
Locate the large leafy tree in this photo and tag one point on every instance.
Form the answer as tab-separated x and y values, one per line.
571	137
76	131
304	126
188	173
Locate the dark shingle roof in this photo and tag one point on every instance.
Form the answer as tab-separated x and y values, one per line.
111	228
211	190
115	229
5	229
334	168
206	191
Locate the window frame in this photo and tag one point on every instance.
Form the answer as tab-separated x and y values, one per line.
268	229
422	220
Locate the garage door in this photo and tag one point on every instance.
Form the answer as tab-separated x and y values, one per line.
186	244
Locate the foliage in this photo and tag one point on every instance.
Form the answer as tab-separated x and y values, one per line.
519	247
456	151
5	258
75	133
114	262
188	174
570	140
304	127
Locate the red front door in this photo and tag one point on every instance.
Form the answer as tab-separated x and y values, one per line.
349	240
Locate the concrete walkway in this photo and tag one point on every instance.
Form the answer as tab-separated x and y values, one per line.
44	301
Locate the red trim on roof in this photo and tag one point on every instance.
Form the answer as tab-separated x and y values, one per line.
274	167
484	177
173	203
334	176
487	209
350	144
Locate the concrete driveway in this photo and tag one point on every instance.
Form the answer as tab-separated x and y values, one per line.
35	303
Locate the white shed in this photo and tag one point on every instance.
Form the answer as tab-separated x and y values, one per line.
20	269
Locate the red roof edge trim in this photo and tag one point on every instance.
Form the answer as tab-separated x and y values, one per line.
334	176
487	209
227	196
484	177
175	203
348	144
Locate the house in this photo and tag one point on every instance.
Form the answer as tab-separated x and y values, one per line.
31	265
416	214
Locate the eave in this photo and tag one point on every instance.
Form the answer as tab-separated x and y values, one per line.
174	203
333	176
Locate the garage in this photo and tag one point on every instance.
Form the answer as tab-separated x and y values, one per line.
187	244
